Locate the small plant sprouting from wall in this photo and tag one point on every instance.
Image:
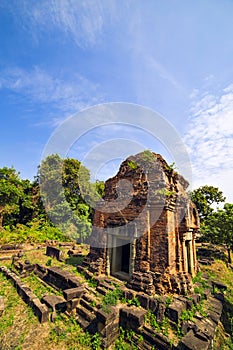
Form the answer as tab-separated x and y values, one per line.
132	164
160	327
165	192
134	302
147	156
169	300
171	168
126	340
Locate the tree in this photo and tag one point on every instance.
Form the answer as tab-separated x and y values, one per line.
11	192
204	197
218	228
67	194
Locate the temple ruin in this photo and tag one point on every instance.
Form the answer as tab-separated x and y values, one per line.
144	230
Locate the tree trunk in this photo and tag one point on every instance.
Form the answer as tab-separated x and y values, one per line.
229	255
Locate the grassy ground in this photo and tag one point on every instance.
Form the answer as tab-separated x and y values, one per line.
224	335
20	329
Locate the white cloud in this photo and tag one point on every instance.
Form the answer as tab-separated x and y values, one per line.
38	86
83	21
210	139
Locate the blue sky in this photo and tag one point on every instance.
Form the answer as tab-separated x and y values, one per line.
58	57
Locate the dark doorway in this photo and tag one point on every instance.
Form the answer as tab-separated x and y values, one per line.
120	260
125	258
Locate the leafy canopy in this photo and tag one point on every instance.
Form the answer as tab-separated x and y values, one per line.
204	197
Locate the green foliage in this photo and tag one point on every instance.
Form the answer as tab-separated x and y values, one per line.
67	193
187	315
132	164
68	332
165	192
126	340
218	227
100	186
169	300
92	283
134	302
111	299
204	197
48	262
160	327
95	342
34	231
12	195
171	167
147	156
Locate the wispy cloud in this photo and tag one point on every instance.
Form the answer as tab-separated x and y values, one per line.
36	85
163	72
83	21
210	138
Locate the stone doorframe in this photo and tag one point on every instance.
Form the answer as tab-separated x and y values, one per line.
188	244
112	253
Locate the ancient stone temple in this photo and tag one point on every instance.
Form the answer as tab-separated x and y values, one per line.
144	229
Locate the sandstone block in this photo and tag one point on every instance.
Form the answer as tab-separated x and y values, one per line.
193	342
175	309
73	293
54	302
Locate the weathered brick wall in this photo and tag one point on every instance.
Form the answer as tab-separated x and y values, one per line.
156	203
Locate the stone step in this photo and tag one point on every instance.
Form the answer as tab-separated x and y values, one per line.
85	313
106	285
81	268
102	290
82	322
87	305
89	298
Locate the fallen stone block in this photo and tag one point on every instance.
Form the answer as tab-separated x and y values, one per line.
10	246
54	253
73	293
40	271
106	317
144	300
157	340
61	279
132	318
153	304
222	287
175	309
54	302
72	304
193	342
161	311
40	310
66	244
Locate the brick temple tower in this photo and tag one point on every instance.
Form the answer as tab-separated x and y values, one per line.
144	230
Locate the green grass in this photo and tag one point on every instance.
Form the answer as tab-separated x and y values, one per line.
21	330
15	312
220	272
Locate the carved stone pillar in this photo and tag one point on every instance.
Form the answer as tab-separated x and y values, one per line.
132	257
185	257
191	262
